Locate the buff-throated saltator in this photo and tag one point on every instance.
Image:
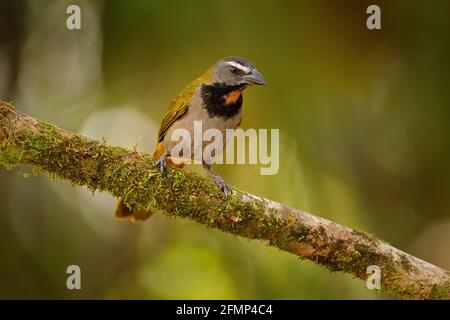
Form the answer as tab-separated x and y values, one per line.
215	99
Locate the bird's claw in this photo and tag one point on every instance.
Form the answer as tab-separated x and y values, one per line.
226	189
162	164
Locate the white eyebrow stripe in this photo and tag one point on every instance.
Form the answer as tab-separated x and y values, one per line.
239	66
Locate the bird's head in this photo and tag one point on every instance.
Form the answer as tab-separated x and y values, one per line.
223	83
233	71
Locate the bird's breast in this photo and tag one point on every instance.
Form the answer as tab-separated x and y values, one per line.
197	121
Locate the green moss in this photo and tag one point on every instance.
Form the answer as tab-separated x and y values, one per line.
406	263
342	263
440	292
370	238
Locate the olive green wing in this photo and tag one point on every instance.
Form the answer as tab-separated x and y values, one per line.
176	110
179	106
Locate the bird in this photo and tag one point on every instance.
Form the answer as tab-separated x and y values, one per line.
214	98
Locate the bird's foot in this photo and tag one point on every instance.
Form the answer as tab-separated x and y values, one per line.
162	163
226	189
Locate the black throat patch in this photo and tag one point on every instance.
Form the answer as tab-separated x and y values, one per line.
213	96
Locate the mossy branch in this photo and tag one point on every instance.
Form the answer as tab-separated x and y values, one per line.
130	175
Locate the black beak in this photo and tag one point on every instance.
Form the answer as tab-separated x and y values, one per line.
255	78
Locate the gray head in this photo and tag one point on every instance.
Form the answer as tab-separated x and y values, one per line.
237	71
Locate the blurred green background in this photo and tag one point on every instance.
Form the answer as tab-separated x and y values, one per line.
363	118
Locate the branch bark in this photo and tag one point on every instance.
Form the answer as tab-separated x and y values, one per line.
130	175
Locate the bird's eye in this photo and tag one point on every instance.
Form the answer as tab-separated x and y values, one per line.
234	70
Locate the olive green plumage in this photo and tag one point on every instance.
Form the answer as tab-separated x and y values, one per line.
180	104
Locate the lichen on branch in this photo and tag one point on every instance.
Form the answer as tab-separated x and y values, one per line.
131	175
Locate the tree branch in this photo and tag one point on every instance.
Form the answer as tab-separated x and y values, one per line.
130	175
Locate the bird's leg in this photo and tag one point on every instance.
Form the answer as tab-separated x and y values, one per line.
226	189
162	162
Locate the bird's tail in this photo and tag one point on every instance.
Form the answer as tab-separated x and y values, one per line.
135	214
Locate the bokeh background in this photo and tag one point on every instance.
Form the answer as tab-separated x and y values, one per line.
364	128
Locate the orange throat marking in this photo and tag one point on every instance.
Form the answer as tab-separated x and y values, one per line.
232	97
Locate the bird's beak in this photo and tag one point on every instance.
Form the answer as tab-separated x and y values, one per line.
255	78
